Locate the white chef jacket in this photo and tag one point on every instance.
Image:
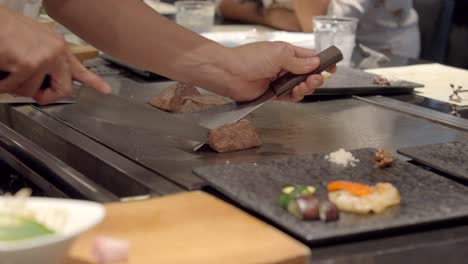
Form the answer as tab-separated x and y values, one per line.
383	24
25	7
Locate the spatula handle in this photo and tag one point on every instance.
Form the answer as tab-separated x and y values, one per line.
45	84
287	82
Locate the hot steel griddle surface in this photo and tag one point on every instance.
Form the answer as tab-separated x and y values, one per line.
285	128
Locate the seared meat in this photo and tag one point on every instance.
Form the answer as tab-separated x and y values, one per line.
171	98
198	103
184	98
232	137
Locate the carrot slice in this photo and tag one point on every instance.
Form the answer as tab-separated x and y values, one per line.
352	187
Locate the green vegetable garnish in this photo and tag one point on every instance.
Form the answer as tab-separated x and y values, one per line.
291	192
13	228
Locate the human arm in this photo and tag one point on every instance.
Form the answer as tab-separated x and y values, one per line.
306	10
29	51
132	32
251	11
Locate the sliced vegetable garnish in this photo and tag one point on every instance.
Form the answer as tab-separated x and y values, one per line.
14	228
291	192
311	189
288	190
357	189
328	211
304	207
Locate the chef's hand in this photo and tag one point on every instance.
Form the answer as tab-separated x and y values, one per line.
29	51
256	65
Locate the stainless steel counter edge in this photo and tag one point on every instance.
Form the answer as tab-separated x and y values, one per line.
44	163
418	111
89	157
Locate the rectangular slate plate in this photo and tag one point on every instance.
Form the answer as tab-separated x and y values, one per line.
450	158
348	81
426	197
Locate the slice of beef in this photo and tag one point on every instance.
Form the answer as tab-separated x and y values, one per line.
171	98
198	103
184	98
232	137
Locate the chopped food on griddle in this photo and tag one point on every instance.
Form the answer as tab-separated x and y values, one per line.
232	137
291	192
354	198
171	98
185	98
198	103
383	159
342	157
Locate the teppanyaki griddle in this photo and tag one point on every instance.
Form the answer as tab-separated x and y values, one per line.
426	197
285	129
450	158
349	81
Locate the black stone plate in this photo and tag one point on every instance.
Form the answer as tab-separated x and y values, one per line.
426	197
349	81
450	158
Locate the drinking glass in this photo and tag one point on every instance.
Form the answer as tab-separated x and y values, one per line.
197	16
338	31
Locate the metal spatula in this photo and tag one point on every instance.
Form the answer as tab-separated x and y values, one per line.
233	112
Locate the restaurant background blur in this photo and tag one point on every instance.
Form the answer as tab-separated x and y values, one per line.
444	30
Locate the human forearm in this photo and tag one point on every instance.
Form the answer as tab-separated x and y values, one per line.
243	10
251	11
131	31
306	10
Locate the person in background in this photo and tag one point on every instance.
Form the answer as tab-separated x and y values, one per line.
134	33
388	26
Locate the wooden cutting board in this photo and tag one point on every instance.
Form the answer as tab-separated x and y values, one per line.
83	52
192	227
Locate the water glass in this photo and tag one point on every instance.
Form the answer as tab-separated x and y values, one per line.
197	16
338	31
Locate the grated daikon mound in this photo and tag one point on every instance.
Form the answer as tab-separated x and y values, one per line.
342	157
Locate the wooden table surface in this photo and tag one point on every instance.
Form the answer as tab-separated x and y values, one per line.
191	227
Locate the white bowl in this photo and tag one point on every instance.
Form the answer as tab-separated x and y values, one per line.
52	249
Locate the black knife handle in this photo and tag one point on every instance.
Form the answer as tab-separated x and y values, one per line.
287	82
45	83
